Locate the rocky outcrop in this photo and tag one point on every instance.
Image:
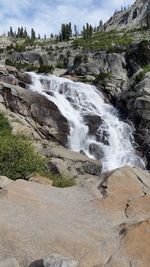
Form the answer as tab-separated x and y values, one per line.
133	17
135	101
55	260
34	58
111	64
36	110
38	118
68	163
95	223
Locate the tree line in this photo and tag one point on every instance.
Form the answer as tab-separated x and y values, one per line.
67	31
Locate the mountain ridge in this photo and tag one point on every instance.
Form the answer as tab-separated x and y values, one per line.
136	16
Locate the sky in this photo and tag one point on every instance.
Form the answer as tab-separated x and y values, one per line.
46	16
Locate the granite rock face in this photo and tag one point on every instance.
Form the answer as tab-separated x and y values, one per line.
131	18
99	222
9	263
36	109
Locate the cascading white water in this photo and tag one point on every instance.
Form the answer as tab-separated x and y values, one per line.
112	140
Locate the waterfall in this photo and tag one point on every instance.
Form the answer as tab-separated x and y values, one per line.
95	127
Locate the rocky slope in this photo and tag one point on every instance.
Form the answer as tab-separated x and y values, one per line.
39	119
103	222
137	16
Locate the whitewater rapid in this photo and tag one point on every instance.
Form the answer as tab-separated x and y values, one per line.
112	141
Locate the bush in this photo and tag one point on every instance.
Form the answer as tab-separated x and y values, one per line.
5	128
61	181
46	69
139	77
19	160
101	77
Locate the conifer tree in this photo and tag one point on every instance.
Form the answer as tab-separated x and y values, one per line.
33	36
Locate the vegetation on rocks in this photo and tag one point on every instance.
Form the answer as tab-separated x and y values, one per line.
30	67
104	40
19	160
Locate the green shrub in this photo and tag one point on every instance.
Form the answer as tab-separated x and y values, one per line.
46	69
61	181
19	65
139	77
104	40
60	65
146	68
19	160
9	62
101	77
20	47
5	128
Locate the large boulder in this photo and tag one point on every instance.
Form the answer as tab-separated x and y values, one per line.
100	222
30	57
112	64
44	112
69	163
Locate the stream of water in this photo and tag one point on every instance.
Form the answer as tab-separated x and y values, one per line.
112	140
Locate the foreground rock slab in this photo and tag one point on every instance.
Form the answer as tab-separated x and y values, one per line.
9	263
102	222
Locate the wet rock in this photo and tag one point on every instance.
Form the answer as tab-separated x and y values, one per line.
96	151
92	168
69	163
93	122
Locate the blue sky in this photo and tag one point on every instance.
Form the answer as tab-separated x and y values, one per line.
46	16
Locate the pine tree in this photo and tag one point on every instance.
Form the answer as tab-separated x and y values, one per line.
21	32
100	24
18	33
70	30
25	34
75	31
11	32
33	36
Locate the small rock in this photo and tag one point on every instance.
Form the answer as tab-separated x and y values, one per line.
56	260
92	168
4	181
53	167
41	180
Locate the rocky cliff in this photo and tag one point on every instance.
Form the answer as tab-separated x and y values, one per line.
136	16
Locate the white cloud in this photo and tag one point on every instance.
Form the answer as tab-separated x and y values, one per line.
46	16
